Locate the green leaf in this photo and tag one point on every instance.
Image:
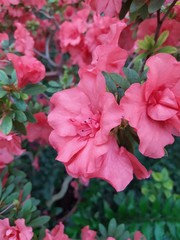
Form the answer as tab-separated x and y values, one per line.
112	227
12	197
168	49
110	83
119	231
26	190
20	116
6	125
125	9
26	208
54	84
132	75
34	89
162	38
142	45
154	5
40	221
159	230
0	188
136	5
30	117
3	78
172	229
19	127
102	230
120	81
20	104
13	76
7	191
2	93
5	44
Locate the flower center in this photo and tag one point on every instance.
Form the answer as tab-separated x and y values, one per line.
88	127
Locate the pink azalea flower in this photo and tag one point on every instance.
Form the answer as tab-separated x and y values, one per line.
57	233
88	234
109	58
28	69
8	2
82	119
153	108
35	3
110	238
108	7
18	232
10	145
24	43
40	130
139	236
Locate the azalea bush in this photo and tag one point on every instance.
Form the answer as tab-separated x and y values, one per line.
89	105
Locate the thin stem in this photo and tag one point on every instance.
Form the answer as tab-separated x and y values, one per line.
6	209
61	193
160	21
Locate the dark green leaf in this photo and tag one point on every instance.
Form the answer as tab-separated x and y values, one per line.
102	230
119	231
53	84
154	5
6	125
3	78
136	4
34	89
7	191
20	116
19	127
12	197
112	227
30	117
2	93
20	104
132	75
111	86
26	190
159	230
119	80
125	9
172	229
40	221
13	76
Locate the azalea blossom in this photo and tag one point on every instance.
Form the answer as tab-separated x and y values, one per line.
153	108
82	133
88	234
57	233
18	232
10	145
24	43
39	130
108	7
28	69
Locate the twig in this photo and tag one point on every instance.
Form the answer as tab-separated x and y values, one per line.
160	21
61	193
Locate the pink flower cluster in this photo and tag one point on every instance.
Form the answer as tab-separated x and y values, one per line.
57	233
153	108
18	232
83	133
10	145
